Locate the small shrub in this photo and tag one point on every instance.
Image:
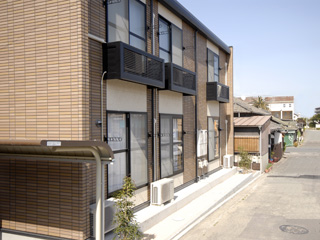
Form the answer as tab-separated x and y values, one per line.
269	165
295	144
127	227
284	146
245	161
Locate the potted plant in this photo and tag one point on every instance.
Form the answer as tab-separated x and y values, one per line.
271	157
268	168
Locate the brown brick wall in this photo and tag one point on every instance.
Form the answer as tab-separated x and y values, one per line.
44	197
202	81
189	47
230	104
226	109
43	75
189	138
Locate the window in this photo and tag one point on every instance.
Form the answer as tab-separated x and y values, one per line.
164	40
213	66
127	137
213	138
171	145
170	42
127	23
284	105
289	104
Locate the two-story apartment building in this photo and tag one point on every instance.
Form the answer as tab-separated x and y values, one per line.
142	82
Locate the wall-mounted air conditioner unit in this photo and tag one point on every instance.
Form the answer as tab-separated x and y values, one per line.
228	161
109	213
161	191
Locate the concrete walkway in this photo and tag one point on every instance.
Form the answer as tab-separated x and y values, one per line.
192	204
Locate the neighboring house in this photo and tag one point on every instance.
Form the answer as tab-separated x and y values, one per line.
243	109
277	127
317	110
251	134
142	82
296	116
280	106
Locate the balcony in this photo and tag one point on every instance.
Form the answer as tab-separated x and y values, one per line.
122	61
217	92
179	79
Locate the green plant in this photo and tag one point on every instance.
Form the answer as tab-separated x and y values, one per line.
269	165
245	161
284	146
127	227
272	154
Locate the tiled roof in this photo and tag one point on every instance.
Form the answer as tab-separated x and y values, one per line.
254	121
240	106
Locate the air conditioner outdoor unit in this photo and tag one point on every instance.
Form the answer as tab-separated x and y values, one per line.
109	213
228	161
161	191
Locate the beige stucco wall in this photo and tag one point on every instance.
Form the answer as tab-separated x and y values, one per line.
126	96
170	102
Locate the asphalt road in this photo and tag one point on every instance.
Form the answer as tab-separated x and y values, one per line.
283	204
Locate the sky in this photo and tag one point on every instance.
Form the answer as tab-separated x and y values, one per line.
276	46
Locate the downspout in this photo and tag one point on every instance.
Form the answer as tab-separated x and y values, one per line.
196	103
99	228
153	103
101	105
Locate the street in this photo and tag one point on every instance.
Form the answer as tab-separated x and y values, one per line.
282	204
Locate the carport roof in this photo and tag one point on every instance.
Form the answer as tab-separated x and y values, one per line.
48	149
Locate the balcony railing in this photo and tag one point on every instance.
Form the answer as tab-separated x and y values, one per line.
122	61
181	80
217	92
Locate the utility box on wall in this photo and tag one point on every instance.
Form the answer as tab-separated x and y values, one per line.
202	145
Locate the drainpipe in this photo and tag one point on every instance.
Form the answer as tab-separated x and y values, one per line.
101	104
99	228
196	102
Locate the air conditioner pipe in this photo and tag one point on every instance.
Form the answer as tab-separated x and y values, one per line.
226	137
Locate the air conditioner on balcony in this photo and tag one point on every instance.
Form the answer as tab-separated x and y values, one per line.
161	191
228	161
109	213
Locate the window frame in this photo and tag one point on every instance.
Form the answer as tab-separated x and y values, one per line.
170	25
215	137
128	145
170	37
129	30
209	51
145	24
171	116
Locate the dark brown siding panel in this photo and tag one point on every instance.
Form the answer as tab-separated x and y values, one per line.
43	197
